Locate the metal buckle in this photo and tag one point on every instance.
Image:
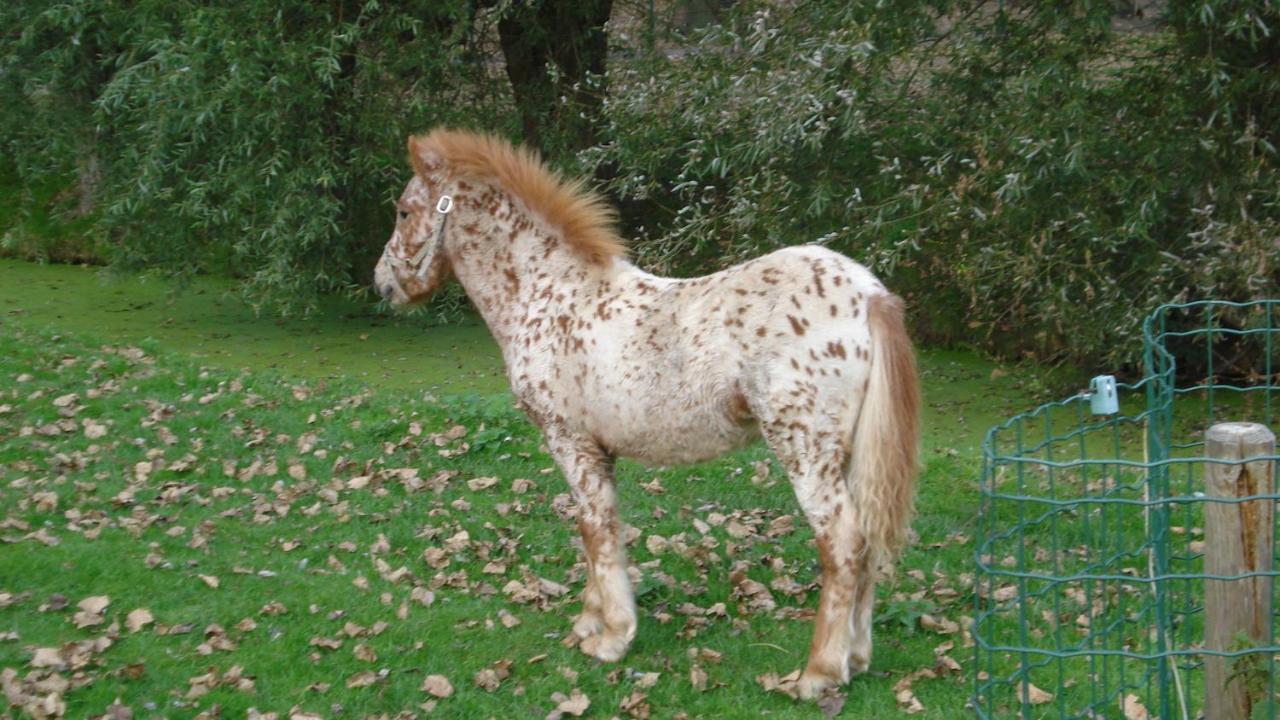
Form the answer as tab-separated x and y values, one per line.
444	204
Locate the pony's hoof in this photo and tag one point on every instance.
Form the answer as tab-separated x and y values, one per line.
605	647
812	685
858	664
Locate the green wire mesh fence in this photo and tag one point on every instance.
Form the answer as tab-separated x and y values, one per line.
1090	583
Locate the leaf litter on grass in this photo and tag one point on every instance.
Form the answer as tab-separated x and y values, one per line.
229	484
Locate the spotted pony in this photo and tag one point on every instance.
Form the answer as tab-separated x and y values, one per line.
803	346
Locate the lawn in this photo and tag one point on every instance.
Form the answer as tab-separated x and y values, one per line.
192	533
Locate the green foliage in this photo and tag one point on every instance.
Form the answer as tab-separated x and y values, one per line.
1034	177
261	139
1031	180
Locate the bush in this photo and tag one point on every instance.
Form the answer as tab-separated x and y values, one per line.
261	139
1031	181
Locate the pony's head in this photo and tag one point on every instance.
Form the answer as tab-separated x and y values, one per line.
415	263
417	258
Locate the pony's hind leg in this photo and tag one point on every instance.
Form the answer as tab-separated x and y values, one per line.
864	603
838	649
815	460
608	620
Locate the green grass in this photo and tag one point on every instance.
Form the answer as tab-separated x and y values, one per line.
147	548
207	322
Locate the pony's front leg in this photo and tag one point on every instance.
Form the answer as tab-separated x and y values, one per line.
608	620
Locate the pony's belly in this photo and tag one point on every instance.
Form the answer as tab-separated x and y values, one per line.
683	445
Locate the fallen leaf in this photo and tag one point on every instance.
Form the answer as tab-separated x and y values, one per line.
94	430
636	705
210	580
47	657
1038	696
905	695
437	685
138	619
574	704
91	610
117	711
698	678
1133	708
940	625
365	653
491	677
362	679
787	685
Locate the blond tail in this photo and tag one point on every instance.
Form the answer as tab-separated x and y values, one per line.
886	443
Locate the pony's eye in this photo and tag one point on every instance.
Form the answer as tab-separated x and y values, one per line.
403	214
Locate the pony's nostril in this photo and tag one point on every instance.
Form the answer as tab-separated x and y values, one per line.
386	291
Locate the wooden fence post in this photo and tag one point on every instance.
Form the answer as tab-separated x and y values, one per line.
1238	539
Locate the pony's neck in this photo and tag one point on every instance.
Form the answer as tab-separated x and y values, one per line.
511	264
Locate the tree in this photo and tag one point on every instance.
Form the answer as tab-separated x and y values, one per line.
555	53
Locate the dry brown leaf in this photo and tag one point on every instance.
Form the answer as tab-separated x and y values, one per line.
138	619
47	657
905	695
96	604
1005	593
1133	708
1038	696
656	544
636	705
437	685
940	625
365	653
787	685
362	679
210	580
91	610
422	596
574	704
698	678
491	677
326	643
908	702
118	711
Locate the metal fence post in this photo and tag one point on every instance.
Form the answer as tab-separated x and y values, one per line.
1238	540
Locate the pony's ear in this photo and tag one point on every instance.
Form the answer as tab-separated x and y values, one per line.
426	161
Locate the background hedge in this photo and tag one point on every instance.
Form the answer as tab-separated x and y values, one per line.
1034	176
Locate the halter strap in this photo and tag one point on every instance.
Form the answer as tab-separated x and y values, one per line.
443	206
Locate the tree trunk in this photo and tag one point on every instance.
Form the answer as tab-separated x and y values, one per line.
555	53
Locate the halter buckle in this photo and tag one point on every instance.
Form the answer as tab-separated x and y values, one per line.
444	204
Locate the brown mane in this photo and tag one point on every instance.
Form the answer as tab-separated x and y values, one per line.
583	217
